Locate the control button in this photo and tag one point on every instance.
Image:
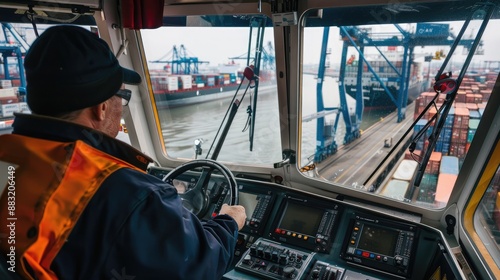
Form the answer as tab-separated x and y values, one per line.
289	272
267	254
247	260
260	252
274	256
315	273
253	250
282	259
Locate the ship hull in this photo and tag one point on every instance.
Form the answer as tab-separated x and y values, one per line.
375	97
184	98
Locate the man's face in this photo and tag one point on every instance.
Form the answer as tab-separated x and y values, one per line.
111	124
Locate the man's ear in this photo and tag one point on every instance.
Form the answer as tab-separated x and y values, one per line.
99	111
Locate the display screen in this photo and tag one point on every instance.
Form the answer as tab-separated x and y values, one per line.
301	219
249	201
378	240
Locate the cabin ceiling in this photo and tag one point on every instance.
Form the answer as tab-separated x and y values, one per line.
398	12
354	12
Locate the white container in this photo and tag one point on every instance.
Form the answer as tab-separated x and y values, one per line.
172	83
187	82
8	92
405	170
8	110
5	83
23	107
395	189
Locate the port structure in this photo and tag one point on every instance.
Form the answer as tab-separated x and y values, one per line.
426	34
268	58
13	46
180	62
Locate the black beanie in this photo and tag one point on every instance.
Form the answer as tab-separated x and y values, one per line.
70	68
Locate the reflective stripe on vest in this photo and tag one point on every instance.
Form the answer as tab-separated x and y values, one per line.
54	182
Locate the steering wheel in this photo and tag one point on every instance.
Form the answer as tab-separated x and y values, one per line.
198	199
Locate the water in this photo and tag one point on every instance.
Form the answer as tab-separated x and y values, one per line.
181	126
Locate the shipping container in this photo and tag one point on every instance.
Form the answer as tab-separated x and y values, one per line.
473	124
434	162
449	165
8	110
461	119
395	189
405	170
433	30
427	188
5	84
8	92
186	81
474	114
445	184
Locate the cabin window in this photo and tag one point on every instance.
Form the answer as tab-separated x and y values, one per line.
368	102
196	65
482	214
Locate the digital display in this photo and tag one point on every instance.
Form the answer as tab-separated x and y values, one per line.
378	240
249	201
301	219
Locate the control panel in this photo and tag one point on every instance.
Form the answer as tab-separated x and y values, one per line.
271	260
380	244
324	271
257	204
306	223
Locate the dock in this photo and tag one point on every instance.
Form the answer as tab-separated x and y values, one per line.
353	163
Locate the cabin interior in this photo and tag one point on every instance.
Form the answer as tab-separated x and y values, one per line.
368	142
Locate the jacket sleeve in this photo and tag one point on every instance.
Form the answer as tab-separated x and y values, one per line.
162	240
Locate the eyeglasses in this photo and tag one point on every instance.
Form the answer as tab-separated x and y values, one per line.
125	94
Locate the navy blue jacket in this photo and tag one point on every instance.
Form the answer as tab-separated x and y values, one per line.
135	226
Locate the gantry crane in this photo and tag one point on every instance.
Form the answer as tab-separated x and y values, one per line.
360	39
180	62
14	46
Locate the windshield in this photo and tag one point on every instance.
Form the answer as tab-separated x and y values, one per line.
370	116
197	73
372	119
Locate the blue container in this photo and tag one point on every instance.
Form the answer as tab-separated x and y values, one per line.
473	114
434	30
449	165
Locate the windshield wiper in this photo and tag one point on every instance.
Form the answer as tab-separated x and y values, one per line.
450	87
444	85
231	112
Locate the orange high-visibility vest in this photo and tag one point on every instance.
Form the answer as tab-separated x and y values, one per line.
49	184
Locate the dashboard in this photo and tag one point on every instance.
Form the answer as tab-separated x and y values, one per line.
290	234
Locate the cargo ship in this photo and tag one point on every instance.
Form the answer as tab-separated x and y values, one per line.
174	90
374	94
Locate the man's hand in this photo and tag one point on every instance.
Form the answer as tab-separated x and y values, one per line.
237	212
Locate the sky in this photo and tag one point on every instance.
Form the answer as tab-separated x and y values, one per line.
218	44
